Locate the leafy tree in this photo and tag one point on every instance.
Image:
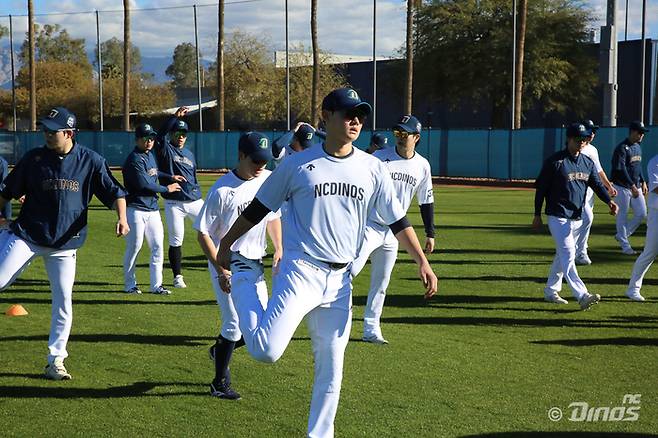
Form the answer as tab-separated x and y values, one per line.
112	57
53	43
3	31
465	48
183	68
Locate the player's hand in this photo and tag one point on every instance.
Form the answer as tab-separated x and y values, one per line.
225	280
645	189
429	245
429	279
614	208
179	178
612	191
276	259
635	192
537	223
175	187
122	228
21	200
180	112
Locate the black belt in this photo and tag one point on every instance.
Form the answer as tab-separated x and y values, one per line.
335	266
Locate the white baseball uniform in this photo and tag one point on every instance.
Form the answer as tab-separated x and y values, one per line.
410	177
175	214
582	234
329	200
225	201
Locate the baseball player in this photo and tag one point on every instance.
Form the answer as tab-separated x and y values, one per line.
582	235
650	251
174	158
59	180
377	142
331	189
140	177
4	171
412	176
295	140
630	185
563	182
225	201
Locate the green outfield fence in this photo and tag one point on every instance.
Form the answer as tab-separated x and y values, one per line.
485	153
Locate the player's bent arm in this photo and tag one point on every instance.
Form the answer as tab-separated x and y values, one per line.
409	241
253	214
275	233
210	250
122	224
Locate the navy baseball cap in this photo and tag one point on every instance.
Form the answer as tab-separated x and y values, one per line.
379	140
410	124
578	130
638	126
145	130
180	125
59	119
591	126
304	136
342	99
256	146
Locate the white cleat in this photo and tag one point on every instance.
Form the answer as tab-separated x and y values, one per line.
374	339
56	370
583	259
588	300
635	297
179	282
555	298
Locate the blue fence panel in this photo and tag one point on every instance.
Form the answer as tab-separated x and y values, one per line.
498	164
468	153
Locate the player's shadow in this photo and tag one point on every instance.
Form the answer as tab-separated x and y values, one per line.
395	300
565	434
620	341
129	338
137	389
131	300
46	283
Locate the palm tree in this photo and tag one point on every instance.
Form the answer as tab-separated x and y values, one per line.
316	63
220	65
518	84
408	92
126	65
33	81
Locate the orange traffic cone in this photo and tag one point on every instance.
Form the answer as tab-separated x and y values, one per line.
16	310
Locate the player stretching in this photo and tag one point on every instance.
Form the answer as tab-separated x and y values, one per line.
59	180
563	182
174	158
225	201
140	176
331	189
411	176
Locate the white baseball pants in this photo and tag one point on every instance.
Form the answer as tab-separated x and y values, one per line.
625	200
254	283
644	261
564	263
175	214
587	217
303	287
382	249
143	224
15	255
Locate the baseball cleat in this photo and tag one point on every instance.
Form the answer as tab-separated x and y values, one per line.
56	370
374	339
179	283
134	290
628	251
223	390
583	259
161	291
555	298
635	296
588	300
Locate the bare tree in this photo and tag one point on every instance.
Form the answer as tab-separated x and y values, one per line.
33	82
220	65
316	63
520	48
126	65
408	92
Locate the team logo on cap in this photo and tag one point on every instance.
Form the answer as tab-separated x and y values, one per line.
70	121
262	143
581	127
385	140
418	127
181	124
147	127
309	136
352	95
53	113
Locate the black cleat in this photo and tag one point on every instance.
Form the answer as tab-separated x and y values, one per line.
223	390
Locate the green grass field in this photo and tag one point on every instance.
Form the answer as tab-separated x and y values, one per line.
486	356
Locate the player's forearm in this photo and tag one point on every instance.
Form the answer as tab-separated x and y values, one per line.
120	207
409	242
274	231
208	247
239	228
605	180
427	214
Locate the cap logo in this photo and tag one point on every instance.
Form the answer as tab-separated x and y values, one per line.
262	143
385	140
309	136
352	95
418	127
405	119
70	122
147	127
53	113
581	127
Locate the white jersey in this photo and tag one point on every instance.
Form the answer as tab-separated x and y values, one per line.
590	151
652	182
225	201
285	152
329	200
410	177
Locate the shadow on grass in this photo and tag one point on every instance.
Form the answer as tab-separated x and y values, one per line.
510	322
127	301
630	341
137	389
393	300
565	434
166	340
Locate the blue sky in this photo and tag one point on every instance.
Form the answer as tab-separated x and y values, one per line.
345	26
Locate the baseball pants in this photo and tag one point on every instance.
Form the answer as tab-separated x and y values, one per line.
587	217
564	263
625	200
304	287
382	249
143	224
254	282
16	255
175	214
644	261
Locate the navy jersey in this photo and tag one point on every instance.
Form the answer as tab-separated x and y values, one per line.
140	177
4	171
58	190
563	182
627	165
176	161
